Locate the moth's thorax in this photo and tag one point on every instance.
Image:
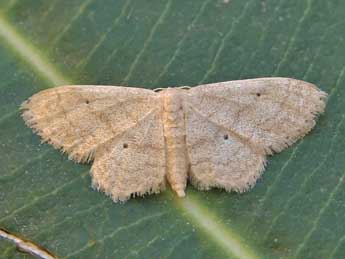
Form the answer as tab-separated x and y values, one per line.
173	107
175	138
172	99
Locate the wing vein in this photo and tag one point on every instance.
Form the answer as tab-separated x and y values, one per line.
244	140
119	135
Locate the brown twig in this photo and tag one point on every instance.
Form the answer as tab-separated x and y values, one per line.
26	246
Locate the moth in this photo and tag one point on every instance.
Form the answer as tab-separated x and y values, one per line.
215	135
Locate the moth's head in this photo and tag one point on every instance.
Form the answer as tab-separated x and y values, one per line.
177	87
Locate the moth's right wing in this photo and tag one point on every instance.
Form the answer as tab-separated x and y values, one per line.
271	112
218	157
79	119
231	126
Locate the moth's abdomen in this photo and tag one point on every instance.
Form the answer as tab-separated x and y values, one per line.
175	140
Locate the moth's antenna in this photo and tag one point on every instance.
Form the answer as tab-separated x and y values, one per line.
156	90
185	87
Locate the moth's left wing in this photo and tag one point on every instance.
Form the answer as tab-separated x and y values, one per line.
132	163
120	128
79	118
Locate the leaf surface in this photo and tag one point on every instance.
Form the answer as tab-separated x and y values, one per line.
295	211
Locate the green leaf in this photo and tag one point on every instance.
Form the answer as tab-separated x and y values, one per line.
297	208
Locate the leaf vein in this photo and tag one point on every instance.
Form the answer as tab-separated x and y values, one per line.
104	36
42	197
223	41
293	38
119	229
181	41
147	41
78	14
